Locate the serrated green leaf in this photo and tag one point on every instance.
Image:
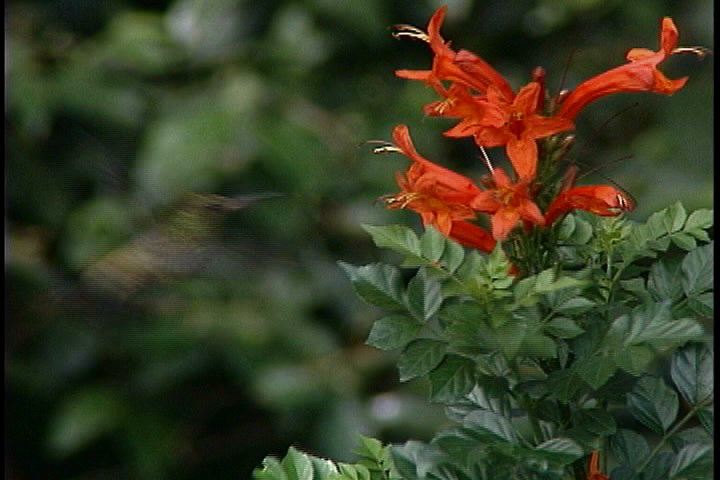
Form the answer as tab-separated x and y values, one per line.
659	468
370	448
697	270
323	469
537	345
653	403
693	462
452	379
633	359
674	217
575	305
629	448
377	284
297	465
692	371
393	332
432	244
420	357
414	459
698	222
271	470
490	426
653	325
664	281
354	472
563	327
702	304
563	384
683	240
453	255
689	436
561	451
706	417
595	370
424	296
398	238
596	420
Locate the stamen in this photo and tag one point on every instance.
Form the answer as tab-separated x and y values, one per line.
403	30
403	199
486	159
386	149
623	202
699	51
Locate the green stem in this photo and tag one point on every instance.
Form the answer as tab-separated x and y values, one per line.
669	434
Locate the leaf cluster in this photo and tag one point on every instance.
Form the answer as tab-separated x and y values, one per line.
539	372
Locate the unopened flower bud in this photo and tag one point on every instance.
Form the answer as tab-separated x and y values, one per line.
538	75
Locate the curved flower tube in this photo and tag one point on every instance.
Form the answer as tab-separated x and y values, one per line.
602	200
462	67
640	75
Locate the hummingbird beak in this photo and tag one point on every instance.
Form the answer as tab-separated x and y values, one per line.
236	202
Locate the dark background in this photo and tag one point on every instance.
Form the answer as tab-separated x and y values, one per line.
116	109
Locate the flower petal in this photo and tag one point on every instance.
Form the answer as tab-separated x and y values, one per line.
503	222
523	154
471	235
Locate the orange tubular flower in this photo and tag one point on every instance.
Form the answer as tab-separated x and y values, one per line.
439	195
594	472
470	235
507	203
640	75
602	200
517	126
463	67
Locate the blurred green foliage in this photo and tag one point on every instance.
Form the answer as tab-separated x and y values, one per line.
117	109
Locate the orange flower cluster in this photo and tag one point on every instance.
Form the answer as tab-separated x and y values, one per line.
493	115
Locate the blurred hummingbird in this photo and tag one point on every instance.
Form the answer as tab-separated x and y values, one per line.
179	246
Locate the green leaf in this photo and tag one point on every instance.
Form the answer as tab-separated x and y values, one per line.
659	468
684	240
595	370
664	281
697	270
432	244
398	238
629	448
689	436
706	417
692	371
563	327
420	357
674	217
653	325
693	462
424	296
414	459
393	332
271	470
596	420
377	284
297	465
653	403
698	222
561	451
490	426
452	379
563	384
633	359
452	256
702	304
